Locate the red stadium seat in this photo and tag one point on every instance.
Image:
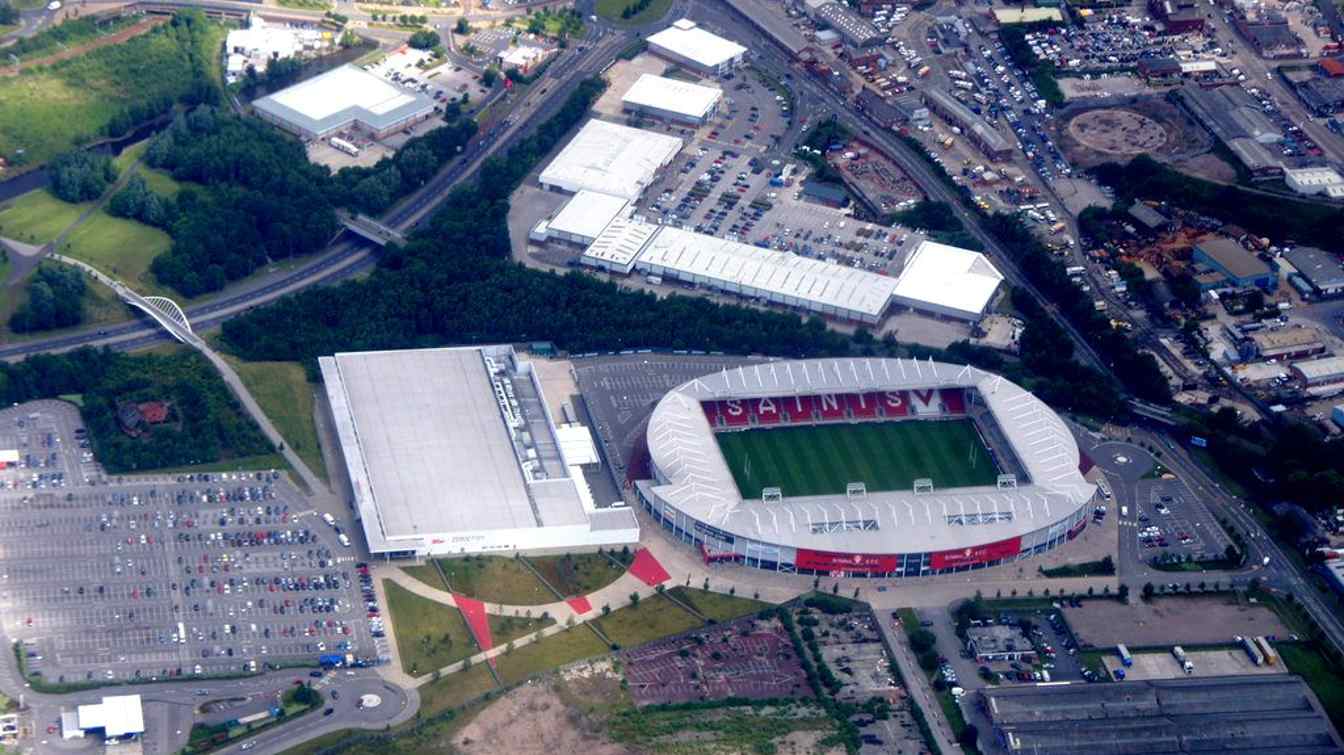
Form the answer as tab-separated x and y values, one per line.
832	405
926	402
895	404
766	410
861	405
711	412
797	408
735	412
954	400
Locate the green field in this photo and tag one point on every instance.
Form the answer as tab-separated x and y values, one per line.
548	654
653	618
823	459
611	10
577	573
38	217
118	247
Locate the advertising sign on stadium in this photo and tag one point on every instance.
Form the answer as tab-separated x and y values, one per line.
847	562
977	554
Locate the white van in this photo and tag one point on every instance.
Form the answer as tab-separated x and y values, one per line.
345	540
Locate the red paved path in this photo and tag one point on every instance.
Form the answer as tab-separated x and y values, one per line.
648	570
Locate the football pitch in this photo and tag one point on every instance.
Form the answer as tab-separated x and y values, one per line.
824	459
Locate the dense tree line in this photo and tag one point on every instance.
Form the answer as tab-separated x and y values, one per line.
65	34
190	82
1279	218
1138	371
55	300
259	198
262	200
81	176
135	201
207	423
939	219
9	15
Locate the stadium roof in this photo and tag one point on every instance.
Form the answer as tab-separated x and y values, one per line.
117	716
689	41
698	481
611	159
343	96
1269	714
948	277
588	213
734	264
672	95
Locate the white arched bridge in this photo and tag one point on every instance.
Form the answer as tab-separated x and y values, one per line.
163	310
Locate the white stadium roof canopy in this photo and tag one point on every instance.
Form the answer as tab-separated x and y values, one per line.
611	159
699	482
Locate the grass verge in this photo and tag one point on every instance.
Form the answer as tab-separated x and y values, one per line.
284	393
455	690
495	579
550	653
650	619
429	635
577	573
717	606
118	247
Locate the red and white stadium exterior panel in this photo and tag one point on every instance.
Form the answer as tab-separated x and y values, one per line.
880	534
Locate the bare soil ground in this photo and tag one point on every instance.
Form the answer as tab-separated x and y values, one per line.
548	725
129	32
1171	621
1207	166
1126	124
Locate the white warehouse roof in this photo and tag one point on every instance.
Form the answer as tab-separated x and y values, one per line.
948	278
611	159
673	96
734	266
588	213
343	96
620	243
117	716
689	41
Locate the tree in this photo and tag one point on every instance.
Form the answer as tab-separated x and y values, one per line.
55	300
463	26
1107	565
969	736
424	39
922	640
634	600
489	76
9	15
1124	592
81	176
1148	590
928	660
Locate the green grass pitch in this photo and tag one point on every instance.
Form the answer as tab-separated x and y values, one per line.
824	459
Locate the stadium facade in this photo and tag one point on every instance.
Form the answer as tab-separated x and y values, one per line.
1039	500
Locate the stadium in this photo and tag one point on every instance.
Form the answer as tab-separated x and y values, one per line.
862	467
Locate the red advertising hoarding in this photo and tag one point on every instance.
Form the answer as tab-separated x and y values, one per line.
850	562
977	554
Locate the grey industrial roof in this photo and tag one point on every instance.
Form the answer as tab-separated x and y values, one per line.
967	120
1233	257
343	96
427	428
1271	714
698	480
1322	268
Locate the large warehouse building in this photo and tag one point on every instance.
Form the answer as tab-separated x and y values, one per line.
611	159
937	279
687	44
671	99
961	469
344	98
454	451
